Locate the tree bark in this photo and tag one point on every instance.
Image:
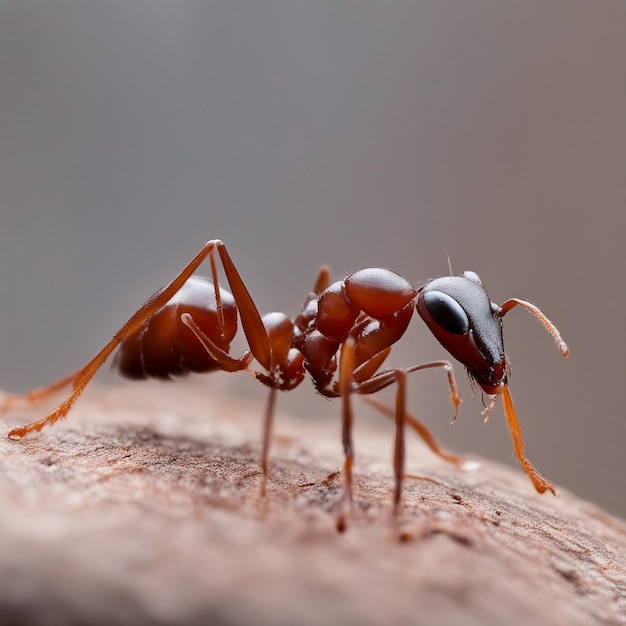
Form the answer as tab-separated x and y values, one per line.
144	508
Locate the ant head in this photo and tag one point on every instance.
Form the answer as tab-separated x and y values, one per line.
463	319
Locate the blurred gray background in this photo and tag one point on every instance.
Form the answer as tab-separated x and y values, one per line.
348	133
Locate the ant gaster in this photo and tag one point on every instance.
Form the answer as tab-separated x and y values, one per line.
341	338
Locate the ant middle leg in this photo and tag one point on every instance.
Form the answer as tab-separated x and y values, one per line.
377	382
346	372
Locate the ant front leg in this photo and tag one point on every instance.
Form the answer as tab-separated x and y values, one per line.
347	386
384	379
399	414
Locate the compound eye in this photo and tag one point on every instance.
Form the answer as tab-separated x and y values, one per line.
447	312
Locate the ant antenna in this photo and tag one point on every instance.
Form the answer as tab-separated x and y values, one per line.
545	322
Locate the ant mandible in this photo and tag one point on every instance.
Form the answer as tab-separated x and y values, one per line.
341	338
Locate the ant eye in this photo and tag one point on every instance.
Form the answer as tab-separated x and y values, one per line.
447	312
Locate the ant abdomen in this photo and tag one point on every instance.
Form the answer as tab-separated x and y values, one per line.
165	347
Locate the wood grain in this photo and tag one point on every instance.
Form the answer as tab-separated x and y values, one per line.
143	508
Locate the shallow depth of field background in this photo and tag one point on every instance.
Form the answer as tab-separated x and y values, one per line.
347	133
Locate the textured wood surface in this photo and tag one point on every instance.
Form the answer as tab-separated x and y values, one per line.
143	508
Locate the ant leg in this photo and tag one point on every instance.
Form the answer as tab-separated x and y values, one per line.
399	447
224	360
418	427
80	379
322	281
228	364
387	377
399	376
39	394
258	340
346	367
539	482
260	346
384	379
369	368
268	420
253	327
376	383
257	337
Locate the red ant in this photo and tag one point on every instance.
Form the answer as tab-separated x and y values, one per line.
341	338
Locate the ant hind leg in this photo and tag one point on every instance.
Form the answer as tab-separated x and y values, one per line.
10	400
81	378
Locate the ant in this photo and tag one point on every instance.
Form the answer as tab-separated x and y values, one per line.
341	337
